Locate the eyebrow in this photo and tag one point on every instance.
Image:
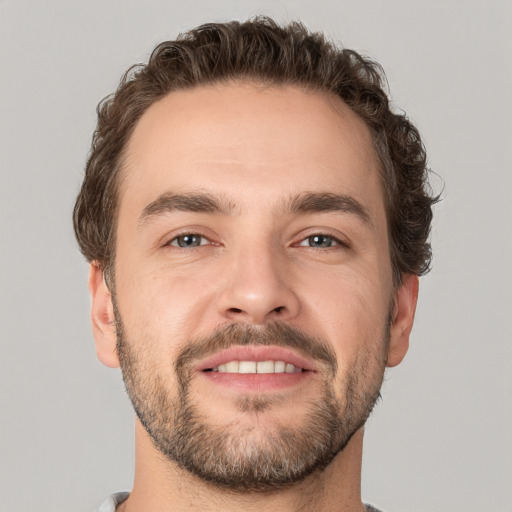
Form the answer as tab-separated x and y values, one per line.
314	202
201	202
197	203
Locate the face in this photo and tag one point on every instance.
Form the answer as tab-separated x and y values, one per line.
254	305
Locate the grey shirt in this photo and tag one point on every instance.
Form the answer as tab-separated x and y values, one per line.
110	504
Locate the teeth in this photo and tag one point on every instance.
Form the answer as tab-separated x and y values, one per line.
247	367
232	366
257	367
290	368
279	366
265	367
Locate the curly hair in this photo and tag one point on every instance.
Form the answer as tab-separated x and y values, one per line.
261	50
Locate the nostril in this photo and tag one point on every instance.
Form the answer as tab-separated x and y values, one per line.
278	309
235	310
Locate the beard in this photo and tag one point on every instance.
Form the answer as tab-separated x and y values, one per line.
245	456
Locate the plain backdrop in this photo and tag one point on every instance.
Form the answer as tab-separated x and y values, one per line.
441	439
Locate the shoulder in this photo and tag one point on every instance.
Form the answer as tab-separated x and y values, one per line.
371	508
110	504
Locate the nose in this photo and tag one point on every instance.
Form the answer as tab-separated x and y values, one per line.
258	287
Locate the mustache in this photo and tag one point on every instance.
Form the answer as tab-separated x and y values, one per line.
274	333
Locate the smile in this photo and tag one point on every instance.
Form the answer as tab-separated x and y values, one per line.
256	367
256	359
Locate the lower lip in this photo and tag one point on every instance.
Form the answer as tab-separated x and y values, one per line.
257	382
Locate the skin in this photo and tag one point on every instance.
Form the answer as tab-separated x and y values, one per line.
255	148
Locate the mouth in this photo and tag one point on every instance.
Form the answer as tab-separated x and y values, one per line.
260	367
256	368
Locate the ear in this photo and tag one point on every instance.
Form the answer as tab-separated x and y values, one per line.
102	317
403	318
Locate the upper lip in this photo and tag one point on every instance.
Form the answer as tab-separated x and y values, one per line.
256	353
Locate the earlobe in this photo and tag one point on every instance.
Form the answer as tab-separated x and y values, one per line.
403	318
102	317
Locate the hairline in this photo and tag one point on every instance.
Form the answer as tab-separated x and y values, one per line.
379	147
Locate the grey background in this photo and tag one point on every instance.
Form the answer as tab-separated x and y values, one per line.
441	440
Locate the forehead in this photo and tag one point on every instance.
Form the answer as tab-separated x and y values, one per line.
250	142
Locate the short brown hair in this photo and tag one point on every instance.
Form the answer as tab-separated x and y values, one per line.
260	50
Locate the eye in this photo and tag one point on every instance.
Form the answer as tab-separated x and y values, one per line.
320	242
188	240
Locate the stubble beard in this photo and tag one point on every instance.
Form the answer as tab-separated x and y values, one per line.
248	458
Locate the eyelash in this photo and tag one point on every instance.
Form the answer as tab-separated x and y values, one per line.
335	242
174	242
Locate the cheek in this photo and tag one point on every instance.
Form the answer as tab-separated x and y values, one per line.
164	304
353	309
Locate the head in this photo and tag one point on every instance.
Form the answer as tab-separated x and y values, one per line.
266	53
250	196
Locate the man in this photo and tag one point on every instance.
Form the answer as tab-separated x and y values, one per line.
256	219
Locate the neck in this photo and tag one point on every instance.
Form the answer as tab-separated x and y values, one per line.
161	486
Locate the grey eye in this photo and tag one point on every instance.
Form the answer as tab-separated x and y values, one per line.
319	241
190	240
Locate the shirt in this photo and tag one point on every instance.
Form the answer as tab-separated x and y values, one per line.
110	504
